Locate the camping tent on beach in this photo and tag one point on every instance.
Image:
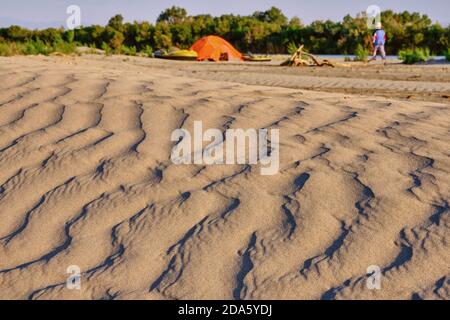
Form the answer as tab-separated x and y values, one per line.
215	48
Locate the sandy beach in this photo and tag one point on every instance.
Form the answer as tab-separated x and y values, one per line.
86	180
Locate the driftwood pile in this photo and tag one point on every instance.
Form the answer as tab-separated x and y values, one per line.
302	58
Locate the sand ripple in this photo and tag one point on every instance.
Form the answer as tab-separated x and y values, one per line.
86	179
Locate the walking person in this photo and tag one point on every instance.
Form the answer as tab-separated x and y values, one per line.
379	40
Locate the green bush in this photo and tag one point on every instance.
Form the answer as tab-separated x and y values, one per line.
148	51
361	53
36	47
128	51
292	48
64	47
410	56
107	49
447	54
69	36
5	49
261	32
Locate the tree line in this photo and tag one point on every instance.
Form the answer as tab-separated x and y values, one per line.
267	31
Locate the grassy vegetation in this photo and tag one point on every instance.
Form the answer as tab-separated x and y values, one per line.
128	51
292	48
267	31
148	51
5	49
35	47
411	56
63	47
447	55
361	53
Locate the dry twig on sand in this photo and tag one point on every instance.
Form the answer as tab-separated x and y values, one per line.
303	58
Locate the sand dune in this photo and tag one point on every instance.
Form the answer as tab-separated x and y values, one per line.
86	179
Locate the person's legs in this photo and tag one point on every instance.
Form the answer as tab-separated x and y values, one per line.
383	53
374	56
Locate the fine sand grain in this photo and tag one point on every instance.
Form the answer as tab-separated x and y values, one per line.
86	180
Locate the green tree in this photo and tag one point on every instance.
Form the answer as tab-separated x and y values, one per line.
16	33
181	34
162	37
263	31
116	22
273	15
113	37
173	15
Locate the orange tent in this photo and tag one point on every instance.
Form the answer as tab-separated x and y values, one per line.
215	48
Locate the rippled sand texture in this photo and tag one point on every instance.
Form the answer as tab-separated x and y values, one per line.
86	180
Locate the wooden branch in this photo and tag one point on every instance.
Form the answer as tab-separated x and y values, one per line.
297	60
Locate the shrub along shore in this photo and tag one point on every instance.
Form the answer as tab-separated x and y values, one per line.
411	34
